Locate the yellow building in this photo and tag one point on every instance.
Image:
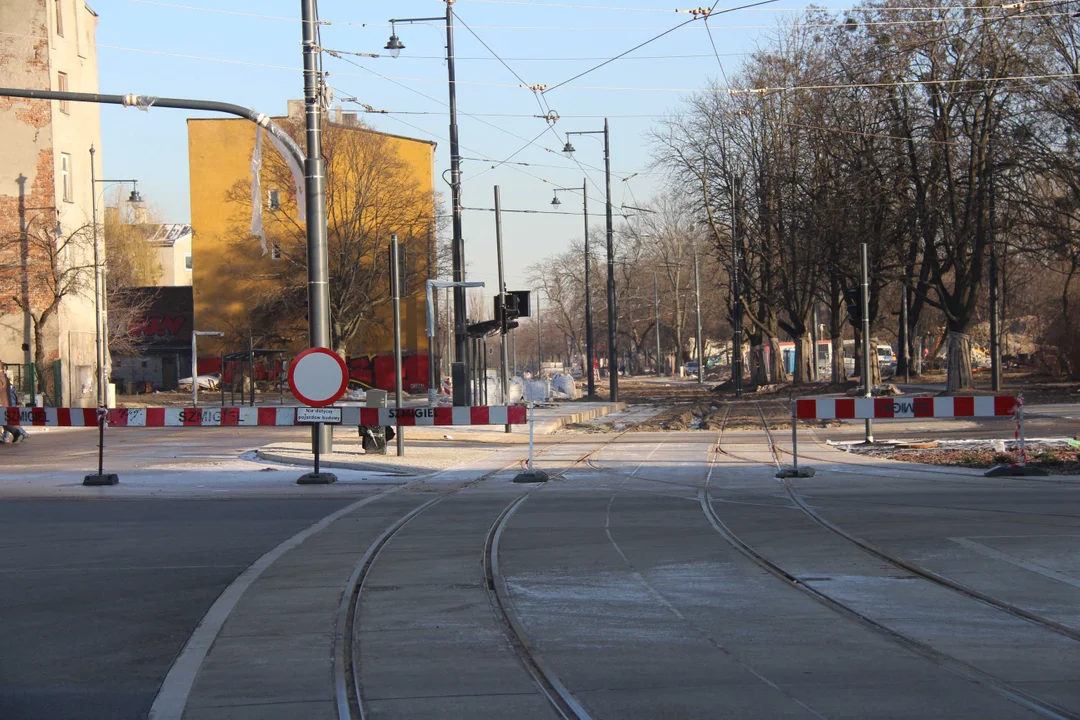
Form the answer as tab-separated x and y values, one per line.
377	184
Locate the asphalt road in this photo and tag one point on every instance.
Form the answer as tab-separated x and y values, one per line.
651	577
99	596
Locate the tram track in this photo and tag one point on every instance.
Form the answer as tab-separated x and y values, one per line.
348	686
945	660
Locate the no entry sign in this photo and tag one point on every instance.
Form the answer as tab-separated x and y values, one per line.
318	377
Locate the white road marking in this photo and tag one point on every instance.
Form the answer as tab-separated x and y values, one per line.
1018	562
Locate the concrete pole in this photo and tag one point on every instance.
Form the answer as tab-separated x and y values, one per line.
539	339
697	304
195	373
395	289
613	354
315	197
590	353
995	305
736	289
866	334
98	320
656	325
457	246
504	378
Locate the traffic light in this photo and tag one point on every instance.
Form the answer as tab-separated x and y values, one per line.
521	297
853	300
512	310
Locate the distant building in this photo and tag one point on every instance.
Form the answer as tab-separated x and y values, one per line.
173	243
170	243
231	267
162	339
46	192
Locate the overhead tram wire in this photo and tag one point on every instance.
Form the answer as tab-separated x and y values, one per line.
347	23
654	39
444	104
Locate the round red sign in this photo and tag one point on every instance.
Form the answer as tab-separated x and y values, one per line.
318	377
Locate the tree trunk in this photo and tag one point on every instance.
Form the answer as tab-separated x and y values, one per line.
758	373
776	361
839	370
959	377
804	359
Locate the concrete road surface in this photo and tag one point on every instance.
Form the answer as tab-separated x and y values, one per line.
652	577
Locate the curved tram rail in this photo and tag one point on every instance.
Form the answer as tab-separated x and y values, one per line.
348	689
949	662
953	664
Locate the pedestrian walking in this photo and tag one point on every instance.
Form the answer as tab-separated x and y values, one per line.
10	433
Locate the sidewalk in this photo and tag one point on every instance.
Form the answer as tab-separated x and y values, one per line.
430	449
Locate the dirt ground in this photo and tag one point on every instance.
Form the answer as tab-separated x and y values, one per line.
1055	460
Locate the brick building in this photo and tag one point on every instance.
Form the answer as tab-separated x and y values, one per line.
46	249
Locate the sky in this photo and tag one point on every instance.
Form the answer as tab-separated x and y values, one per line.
249	54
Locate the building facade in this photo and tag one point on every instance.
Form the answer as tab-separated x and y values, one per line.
236	273
46	236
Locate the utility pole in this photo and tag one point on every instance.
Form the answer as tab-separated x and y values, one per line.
736	309
697	304
866	335
315	197
656	321
539	339
613	353
99	321
995	321
589	347
395	290
501	299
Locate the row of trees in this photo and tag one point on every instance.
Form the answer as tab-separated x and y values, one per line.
942	136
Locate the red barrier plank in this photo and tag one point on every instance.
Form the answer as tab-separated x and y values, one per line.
963	407
924	407
517	415
1004	405
806	409
845	408
479	415
883	408
444	416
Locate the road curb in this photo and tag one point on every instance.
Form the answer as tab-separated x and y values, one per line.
402	471
549	426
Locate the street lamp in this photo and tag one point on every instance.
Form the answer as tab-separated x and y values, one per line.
613	355
462	395
588	294
101	334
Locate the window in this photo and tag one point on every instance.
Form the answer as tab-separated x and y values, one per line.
274	198
65	177
275	252
59	17
187	261
62	86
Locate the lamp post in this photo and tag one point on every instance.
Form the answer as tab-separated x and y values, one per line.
462	396
613	355
101	339
588	294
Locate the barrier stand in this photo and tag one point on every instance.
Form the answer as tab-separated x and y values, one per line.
317	416
795	471
102	478
1017	469
531	475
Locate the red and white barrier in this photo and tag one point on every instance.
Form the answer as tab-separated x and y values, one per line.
259	416
895	408
889	408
